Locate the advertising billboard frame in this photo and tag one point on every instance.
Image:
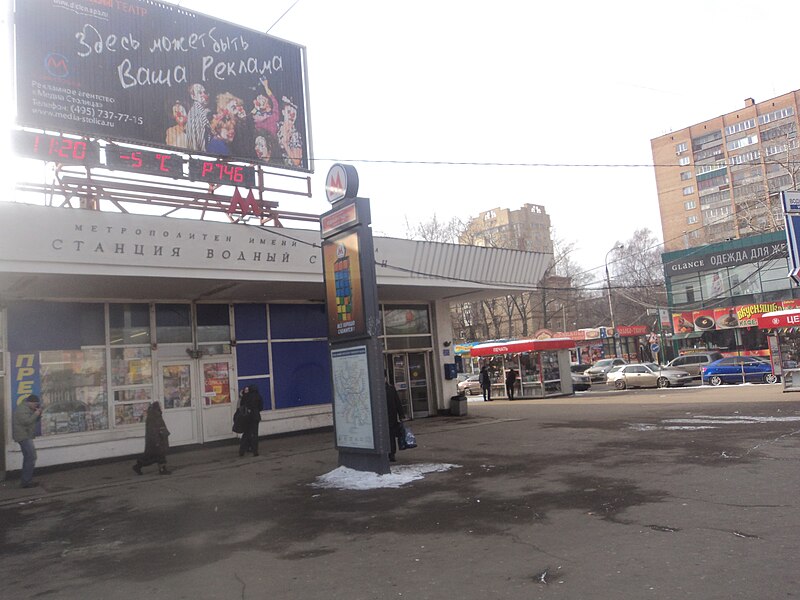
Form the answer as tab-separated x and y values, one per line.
133	76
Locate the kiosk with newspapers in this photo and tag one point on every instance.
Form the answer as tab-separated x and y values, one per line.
542	366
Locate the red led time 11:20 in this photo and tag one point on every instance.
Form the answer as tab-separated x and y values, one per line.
56	148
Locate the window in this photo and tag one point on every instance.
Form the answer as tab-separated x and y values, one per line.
682	147
173	323
683	161
742	142
741	126
775	115
131	383
489	215
213	328
688	190
691	219
689	205
686	175
129	323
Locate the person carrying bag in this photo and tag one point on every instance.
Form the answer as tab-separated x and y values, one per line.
247	418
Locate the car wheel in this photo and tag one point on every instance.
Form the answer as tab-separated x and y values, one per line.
662	382
620	384
715	380
770	378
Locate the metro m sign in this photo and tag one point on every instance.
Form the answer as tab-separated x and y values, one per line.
244	205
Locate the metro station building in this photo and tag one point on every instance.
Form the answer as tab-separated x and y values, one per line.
103	312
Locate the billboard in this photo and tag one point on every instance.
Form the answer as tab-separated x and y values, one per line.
157	75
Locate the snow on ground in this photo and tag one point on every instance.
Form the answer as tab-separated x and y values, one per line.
344	478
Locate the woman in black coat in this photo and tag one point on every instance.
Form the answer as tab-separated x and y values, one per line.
250	404
156	441
394	410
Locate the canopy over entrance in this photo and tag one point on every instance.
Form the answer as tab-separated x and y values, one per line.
493	348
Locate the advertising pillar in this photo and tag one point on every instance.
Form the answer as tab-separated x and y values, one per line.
360	418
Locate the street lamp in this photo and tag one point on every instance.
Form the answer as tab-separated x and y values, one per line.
617	246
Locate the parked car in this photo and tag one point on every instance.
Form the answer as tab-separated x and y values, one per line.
694	363
733	368
471	385
600	369
647	375
580	367
580	381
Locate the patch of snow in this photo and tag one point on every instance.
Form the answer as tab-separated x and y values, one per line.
345	478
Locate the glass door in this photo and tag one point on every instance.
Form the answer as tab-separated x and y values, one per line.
218	397
418	383
398	377
177	390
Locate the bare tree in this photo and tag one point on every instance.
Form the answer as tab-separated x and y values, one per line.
435	230
638	278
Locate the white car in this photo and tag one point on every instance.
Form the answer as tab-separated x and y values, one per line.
647	375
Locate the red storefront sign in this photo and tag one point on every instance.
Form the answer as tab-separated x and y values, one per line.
778	320
632	330
496	348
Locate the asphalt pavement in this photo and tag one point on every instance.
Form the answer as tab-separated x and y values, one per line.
677	493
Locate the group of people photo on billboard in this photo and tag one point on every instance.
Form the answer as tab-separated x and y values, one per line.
261	125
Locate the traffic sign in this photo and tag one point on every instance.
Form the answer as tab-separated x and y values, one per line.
654	348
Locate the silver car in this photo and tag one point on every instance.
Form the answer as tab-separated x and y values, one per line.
695	362
598	371
471	385
647	375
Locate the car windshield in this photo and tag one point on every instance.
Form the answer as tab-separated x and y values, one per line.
615	368
604	363
652	366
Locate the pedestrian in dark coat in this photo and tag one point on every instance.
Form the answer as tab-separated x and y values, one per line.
156	441
485	379
511	379
251	404
394	411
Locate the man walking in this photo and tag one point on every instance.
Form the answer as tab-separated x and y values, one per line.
26	416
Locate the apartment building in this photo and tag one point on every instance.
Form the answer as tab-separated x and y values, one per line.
527	228
721	179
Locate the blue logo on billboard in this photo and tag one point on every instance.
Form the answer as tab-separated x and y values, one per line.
56	65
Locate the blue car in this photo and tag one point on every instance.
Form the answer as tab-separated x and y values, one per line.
730	370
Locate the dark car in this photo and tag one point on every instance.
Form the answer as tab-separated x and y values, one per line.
694	363
735	368
580	381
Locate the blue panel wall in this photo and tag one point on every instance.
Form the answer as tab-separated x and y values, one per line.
252	359
36	326
251	321
293	321
301	374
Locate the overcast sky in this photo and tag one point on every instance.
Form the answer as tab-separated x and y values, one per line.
576	83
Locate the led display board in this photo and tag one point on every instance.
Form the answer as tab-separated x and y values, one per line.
144	161
55	148
158	75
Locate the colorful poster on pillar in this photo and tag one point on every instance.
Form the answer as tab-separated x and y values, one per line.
343	291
